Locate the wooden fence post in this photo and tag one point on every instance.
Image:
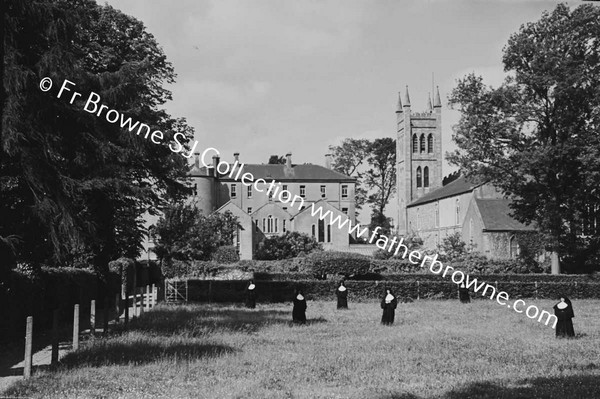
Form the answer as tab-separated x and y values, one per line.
418	290
76	327
126	304
93	317
148	297
54	356
142	304
105	318
154	295
28	348
117	307
134	310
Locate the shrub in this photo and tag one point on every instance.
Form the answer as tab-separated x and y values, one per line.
340	263
289	245
226	254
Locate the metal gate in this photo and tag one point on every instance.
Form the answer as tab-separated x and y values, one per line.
176	291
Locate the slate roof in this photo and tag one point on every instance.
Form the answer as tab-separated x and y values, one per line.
458	186
279	172
495	214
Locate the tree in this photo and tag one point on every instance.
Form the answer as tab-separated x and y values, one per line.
71	181
537	136
289	245
276	160
381	177
348	159
184	233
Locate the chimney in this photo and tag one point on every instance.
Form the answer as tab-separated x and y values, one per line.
215	159
288	160
328	160
197	160
236	157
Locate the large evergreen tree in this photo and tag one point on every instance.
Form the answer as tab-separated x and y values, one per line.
72	183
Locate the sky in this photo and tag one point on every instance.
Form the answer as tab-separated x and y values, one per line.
263	77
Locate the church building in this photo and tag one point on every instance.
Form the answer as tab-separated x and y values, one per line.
432	207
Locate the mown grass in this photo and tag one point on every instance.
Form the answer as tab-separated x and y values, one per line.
436	349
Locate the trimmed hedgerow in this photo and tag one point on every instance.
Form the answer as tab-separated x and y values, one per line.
338	263
40	293
226	254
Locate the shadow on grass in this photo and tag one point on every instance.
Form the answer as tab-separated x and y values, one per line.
578	386
121	353
192	321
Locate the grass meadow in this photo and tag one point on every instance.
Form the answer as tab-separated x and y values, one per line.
436	349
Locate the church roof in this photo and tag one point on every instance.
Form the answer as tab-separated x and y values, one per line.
459	186
280	172
495	215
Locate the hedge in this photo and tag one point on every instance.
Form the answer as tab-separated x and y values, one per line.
281	291
52	288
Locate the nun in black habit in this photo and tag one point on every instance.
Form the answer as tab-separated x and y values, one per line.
299	311
563	311
388	304
463	294
342	296
251	295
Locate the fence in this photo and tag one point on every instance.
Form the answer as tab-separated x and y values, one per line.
143	299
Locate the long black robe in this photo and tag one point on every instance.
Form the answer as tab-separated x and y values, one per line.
299	311
251	297
389	311
463	295
564	325
342	298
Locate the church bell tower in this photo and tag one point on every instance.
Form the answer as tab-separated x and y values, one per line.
418	153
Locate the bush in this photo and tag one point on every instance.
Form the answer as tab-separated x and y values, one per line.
338	263
226	254
289	245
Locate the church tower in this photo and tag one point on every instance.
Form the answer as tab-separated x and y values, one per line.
418	153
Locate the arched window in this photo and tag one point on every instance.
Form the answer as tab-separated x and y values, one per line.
430	143
328	233
313	230
457	221
276	225
514	247
426	176
270	224
422	143
470	235
415	143
419	184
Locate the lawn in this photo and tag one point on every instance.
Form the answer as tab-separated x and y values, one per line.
436	349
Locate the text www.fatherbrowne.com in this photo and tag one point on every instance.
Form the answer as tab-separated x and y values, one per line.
435	266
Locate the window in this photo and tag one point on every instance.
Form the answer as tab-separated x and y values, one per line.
328	233
284	227
270	195
285	208
419	184
313	230
284	192
264	224
303	191
276	225
514	247
270	224
430	143
249	209
426	176
415	143
470	234
323	192
345	211
249	191
344	191
321	231
422	143
457	221
256	226
233	191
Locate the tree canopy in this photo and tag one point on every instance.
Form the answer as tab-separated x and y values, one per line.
73	185
537	136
